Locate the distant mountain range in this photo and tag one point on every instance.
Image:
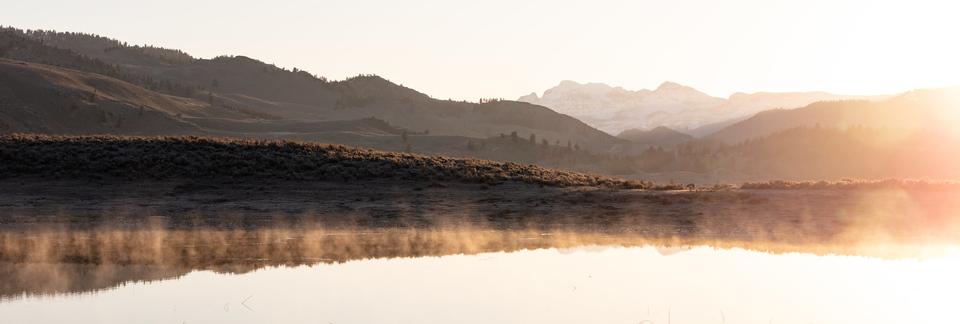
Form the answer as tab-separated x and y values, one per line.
74	83
682	108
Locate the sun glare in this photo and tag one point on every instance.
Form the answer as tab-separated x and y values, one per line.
950	101
496	161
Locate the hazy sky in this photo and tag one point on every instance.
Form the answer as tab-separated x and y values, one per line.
493	48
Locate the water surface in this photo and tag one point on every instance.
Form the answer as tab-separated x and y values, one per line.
463	275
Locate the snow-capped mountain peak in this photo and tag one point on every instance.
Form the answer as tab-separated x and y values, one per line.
674	105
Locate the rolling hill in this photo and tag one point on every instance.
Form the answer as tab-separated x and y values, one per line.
78	84
660	136
915	110
46	99
241	96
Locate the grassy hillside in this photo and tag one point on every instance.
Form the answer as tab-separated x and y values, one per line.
914	110
39	98
56	100
48	99
92	54
262	91
150	158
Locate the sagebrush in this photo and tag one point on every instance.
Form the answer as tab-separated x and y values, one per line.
134	158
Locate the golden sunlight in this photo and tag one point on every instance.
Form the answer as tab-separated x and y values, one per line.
497	161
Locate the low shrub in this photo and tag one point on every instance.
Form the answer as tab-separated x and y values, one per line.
153	158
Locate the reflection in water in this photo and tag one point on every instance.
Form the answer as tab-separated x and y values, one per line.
770	257
45	261
576	285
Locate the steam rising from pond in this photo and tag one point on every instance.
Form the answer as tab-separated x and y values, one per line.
71	253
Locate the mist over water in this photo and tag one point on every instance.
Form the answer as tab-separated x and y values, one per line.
749	268
796	164
467	275
514	255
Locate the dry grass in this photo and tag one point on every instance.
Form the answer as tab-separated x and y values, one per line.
155	158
